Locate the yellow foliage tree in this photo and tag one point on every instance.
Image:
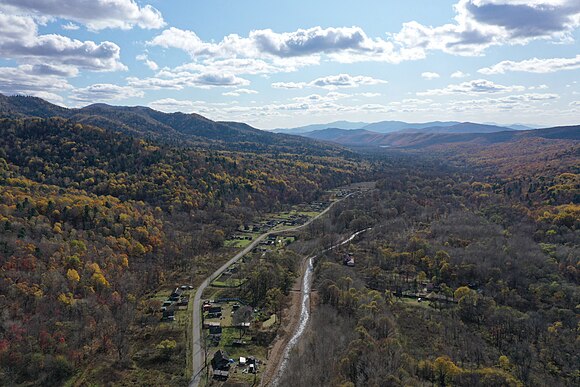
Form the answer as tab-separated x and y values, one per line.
73	275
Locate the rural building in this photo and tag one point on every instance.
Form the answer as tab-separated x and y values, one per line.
348	259
220	361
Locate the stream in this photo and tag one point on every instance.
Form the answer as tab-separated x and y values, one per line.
305	307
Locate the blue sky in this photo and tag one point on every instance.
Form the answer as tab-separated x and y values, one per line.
290	63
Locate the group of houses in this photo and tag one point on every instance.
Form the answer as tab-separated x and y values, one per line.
292	220
177	300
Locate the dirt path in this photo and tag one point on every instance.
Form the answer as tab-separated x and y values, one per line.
290	320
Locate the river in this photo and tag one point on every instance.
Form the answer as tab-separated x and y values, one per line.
305	307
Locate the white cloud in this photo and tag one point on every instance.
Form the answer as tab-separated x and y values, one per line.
430	75
289	85
342	44
480	24
345	80
317	98
534	65
459	74
19	40
105	92
479	86
539	87
70	27
369	95
148	62
522	103
95	14
171	105
238	92
180	81
332	82
32	80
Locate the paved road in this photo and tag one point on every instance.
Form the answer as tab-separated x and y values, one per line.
198	352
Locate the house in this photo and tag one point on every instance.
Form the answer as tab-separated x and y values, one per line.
348	260
176	294
220	361
168	315
215	309
207	324
215	330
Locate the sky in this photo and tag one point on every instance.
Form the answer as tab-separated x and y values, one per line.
277	64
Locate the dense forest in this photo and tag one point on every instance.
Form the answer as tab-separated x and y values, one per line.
469	276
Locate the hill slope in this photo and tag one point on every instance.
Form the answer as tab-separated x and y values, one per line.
464	127
175	128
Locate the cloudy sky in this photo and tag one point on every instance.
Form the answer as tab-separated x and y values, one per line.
288	63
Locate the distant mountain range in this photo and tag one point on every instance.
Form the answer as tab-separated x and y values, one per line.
395	126
312	128
422	138
196	130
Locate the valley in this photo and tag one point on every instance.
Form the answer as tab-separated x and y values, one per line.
112	237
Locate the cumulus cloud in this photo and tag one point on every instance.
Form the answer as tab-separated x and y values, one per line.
180	81
430	75
480	24
459	74
238	92
332	82
19	40
519	102
104	92
171	105
344	43
345	80
95	14
479	86
533	65
32	80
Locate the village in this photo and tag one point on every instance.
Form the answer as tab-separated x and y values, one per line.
236	336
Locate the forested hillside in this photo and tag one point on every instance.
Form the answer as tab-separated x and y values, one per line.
92	220
169	128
